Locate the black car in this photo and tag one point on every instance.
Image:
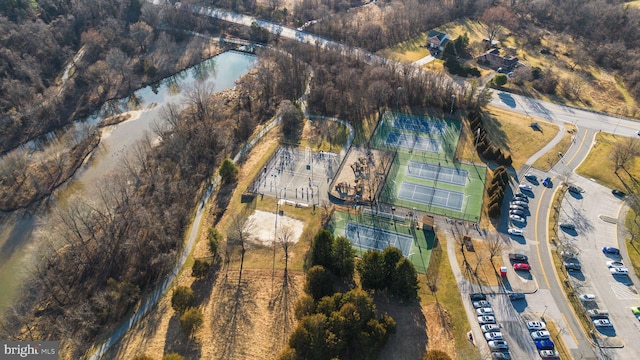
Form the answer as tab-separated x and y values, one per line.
516	296
519	258
575	189
520	197
478	296
618	193
516	212
570	265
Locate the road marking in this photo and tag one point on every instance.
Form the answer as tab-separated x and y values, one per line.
622	291
569	328
586	131
544	274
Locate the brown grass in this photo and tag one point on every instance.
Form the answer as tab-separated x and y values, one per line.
481	270
557	339
513	132
546	161
599	166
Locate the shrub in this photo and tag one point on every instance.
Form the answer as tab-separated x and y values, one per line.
191	321
182	298
200	269
228	171
319	282
173	356
500	80
436	355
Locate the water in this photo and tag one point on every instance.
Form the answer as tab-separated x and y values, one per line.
17	228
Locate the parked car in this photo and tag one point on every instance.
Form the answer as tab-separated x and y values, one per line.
525	187
495	335
515	232
545	344
610	250
570	265
516	218
575	189
500	356
615	264
531	176
481	304
569	255
519	258
602	323
619	271
516	296
536	325
489	328
587	297
549	354
618	193
498	345
567	225
517	212
520	203
540	335
546	182
635	310
521	196
484	311
482	320
477	296
521	266
598	314
516	207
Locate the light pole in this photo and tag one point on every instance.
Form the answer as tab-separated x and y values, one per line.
545	310
615	128
464	213
398	98
453	100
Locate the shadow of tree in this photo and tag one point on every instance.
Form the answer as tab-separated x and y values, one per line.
410	339
176	341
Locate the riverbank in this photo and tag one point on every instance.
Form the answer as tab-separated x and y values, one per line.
43	174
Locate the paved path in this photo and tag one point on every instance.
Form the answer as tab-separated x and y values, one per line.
425	60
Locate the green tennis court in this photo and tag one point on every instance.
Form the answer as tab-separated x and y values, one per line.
371	231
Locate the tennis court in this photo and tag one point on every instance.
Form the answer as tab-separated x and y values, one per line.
370	238
419	124
431	196
414	142
437	173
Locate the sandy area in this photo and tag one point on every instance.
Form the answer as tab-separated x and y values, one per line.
263	226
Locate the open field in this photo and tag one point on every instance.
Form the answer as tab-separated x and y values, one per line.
632	221
546	161
481	271
408	51
599	166
324	135
513	132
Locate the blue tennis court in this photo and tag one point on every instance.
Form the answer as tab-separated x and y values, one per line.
415	142
419	124
370	238
431	196
437	173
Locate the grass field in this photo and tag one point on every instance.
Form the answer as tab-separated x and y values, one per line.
599	166
485	273
421	246
546	162
513	132
408	51
446	306
632	221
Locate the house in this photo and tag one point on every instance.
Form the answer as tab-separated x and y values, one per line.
495	60
436	40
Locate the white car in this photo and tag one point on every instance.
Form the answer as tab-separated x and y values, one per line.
615	264
525	187
482	320
495	335
489	328
549	354
536	325
602	322
498	345
520	203
587	297
484	311
619	271
481	304
516	218
540	335
515	232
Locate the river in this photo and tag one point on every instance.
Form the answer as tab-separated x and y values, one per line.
17	229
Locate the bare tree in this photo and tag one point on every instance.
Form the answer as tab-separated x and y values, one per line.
239	232
623	152
286	238
495	246
495	18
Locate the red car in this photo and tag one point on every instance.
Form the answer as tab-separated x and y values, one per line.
521	266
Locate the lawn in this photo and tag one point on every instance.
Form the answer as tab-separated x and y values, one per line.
599	166
633	248
324	135
408	51
445	304
546	161
513	132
